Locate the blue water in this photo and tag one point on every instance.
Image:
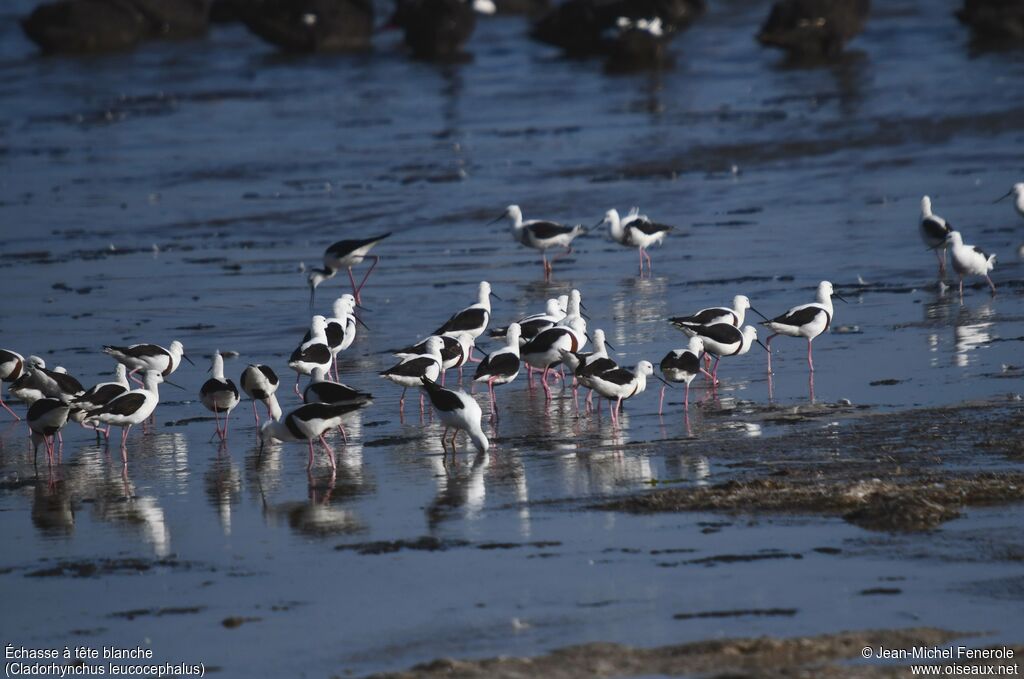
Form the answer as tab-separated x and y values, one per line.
186	186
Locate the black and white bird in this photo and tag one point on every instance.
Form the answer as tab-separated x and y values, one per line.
455	352
501	366
734	315
969	260
260	383
313	352
46	417
723	339
544	351
142	357
590	364
541	235
100	395
12	366
307	423
408	372
219	394
636	231
27	387
322	390
459	411
1017	190
682	365
577	361
57	383
532	325
130	409
806	320
345	254
621	384
437	29
934	230
341	327
474	318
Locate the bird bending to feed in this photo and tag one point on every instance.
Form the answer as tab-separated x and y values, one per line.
12	366
46	417
455	351
219	394
723	339
620	384
260	383
806	320
312	353
459	411
541	235
149	357
1017	190
345	254
320	390
307	423
682	365
502	365
636	231
26	387
408	372
130	409
934	230
969	260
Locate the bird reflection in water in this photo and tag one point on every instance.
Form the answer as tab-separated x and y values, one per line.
695	469
53	514
461	489
223	481
318	516
972	329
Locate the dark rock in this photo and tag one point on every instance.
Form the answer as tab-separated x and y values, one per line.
307	25
809	29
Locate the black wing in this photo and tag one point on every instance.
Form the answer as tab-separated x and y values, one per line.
702	317
335	334
315	353
270	375
935	229
723	333
505	363
467	319
648	227
598	367
140	350
344	247
531	329
101	394
42	407
800	316
618	376
687	362
211	386
66	383
979	251
332	392
544	341
443	399
412	368
126	404
545	230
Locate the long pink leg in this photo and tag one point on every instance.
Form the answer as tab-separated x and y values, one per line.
650	267
810	360
494	401
255	413
401	401
686	397
227	415
298	376
768	343
661	399
991	284
135	379
344	434
640	253
309	465
357	290
714	373
330	451
940	254
8	409
961	289
421	404
544	383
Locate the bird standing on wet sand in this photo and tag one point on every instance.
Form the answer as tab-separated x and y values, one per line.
1017	191
934	230
501	366
219	394
459	411
682	365
723	339
544	351
12	365
307	423
541	235
345	254
260	383
969	260
454	353
621	384
408	373
636	231
149	357
806	320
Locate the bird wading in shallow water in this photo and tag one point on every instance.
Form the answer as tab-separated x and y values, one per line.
969	260
807	321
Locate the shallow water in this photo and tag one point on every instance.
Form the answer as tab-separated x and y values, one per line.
176	192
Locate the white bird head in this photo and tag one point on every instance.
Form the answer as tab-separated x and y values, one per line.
926	206
479	440
217	365
553	308
36	362
514	332
434	344
563	303
344	305
484	7
741	302
645	368
318	375
954	238
318	325
696	346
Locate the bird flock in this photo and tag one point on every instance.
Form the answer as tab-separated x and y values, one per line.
549	342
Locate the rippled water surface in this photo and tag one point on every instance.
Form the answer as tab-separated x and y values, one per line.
177	192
